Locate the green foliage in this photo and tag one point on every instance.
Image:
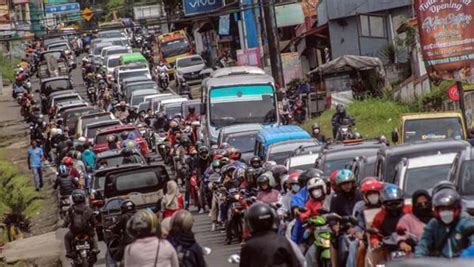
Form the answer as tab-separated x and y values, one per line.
433	101
389	53
7	67
374	117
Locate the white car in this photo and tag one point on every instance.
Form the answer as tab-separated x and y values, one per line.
189	68
112	50
422	172
128	71
111	62
139	96
301	162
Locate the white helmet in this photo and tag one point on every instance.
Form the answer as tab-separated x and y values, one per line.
316	183
85	59
54	131
81	139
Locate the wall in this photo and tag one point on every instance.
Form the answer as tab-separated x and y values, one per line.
412	89
346	8
344	38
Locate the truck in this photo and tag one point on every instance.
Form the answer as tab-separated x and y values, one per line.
174	45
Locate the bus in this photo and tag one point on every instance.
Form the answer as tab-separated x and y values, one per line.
174	45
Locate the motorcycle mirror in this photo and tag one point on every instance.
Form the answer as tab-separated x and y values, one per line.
234	259
206	250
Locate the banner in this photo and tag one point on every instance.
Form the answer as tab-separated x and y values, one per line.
224	25
446	31
248	57
291	64
194	7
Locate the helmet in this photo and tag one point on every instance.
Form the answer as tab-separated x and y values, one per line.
260	217
68	161
340	108
234	153
132	136
63	170
294	176
191	109
185	140
278	171
81	139
344	176
54	131
198	144
78	196
239	174
127	206
308	174
224	161
182	221
224	145
216	165
448	198
370	184
443	185
391	192
111	138
174	124
314	183
130	144
124	135
187	130
315	126
332	178
229	168
127	152
144	223
203	152
263	179
256	162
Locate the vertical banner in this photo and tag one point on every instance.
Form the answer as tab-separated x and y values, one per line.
224	25
446	31
292	69
249	57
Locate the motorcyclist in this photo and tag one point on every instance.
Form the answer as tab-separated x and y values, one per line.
443	236
112	141
370	189
393	208
89	157
192	116
181	236
414	223
172	201
265	247
338	118
122	239
128	157
69	163
122	112
201	162
347	196
66	183
80	220
316	133
266	193
317	192
293	187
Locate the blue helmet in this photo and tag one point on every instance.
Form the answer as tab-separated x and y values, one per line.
391	192
344	176
63	170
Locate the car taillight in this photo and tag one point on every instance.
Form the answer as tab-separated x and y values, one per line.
97	202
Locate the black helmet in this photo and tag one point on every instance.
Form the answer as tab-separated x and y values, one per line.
127	206
185	140
70	143
340	108
78	196
443	185
144	223
182	221
191	109
127	152
308	174
263	179
446	197
198	144
229	168
124	135
260	217
203	152
256	162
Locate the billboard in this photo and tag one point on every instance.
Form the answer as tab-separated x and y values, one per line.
194	7
446	31
291	64
289	15
147	12
4	17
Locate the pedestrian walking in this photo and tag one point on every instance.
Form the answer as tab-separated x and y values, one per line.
35	163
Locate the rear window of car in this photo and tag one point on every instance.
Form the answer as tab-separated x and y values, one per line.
102	138
58	84
118	160
59	100
88	120
136	181
91	131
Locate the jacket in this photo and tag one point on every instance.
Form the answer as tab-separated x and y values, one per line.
142	253
66	185
358	213
269	197
412	225
343	205
268	249
435	231
88	217
88	157
312	206
299	201
172	201
189	252
380	223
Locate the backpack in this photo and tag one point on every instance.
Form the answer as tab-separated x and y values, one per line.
186	257
79	224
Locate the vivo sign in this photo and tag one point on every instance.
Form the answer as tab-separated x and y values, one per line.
193	7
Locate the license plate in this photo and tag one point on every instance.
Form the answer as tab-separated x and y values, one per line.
83	246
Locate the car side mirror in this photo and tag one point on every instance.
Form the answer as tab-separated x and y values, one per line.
395	136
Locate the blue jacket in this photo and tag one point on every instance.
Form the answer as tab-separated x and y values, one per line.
299	200
435	232
88	157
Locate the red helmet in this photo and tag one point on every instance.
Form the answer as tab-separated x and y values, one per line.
370	184
294	176
332	178
67	161
234	153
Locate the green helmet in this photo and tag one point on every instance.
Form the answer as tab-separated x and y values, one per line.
216	164
344	176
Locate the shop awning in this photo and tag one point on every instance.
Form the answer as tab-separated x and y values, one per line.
349	63
317	32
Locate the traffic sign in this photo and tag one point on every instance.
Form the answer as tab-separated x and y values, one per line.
453	92
87	13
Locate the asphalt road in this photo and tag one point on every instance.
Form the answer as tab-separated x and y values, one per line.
202	226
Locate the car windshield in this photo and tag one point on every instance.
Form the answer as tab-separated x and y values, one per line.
58	84
99	182
171	110
117	51
109	35
63	47
113	62
245	143
129	74
174	47
301	167
56	55
91	131
242	104
60	100
132	88
71	117
137	99
119	42
467	178
425	177
433	129
118	160
188	62
102	138
99	48
97	118
338	164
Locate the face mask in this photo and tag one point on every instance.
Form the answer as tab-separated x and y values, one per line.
373	199
295	188
316	131
317	193
446	216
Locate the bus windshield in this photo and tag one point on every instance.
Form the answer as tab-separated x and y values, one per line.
433	129
242	104
175	47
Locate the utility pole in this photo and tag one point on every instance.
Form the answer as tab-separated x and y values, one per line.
273	41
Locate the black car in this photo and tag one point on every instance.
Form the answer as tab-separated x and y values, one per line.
389	157
363	166
50	85
462	175
70	117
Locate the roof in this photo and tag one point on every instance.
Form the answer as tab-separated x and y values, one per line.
282	133
114	152
240	70
420	146
145	92
430	115
433	160
350	153
55	78
100	114
100	123
349	63
246	127
241	79
368	144
343	9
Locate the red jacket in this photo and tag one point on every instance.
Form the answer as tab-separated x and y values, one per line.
379	220
312	206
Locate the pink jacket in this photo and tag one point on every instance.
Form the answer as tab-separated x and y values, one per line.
269	197
412	224
142	253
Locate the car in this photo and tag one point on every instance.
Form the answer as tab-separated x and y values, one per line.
111	34
51	85
167	104
109	64
101	144
97	51
114	50
156	101
129	88
389	157
114	158
54	101
363	166
301	162
138	96
196	103
64	46
462	176
279	152
189	68
91	118
423	172
70	116
64	106
53	63
128	71
240	136
340	156
91	129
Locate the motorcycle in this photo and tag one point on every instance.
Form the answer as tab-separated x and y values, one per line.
163	79
299	113
162	146
91	94
64	204
344	132
149	136
389	250
83	251
235	220
184	88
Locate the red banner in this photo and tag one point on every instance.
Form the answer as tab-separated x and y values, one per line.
446	30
